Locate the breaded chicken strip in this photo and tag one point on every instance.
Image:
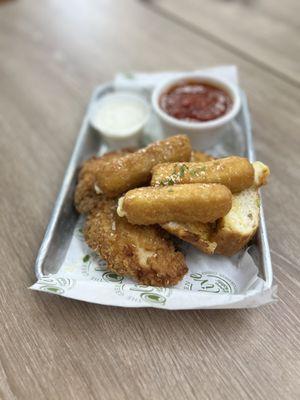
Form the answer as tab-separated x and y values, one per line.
115	177
141	252
86	198
236	173
87	195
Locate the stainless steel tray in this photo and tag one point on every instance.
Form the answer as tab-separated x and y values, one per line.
64	216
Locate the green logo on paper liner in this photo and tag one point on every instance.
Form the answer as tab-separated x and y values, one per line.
112	277
211	283
101	264
143	294
55	285
153	298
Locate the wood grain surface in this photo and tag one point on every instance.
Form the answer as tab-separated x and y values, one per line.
52	54
262	31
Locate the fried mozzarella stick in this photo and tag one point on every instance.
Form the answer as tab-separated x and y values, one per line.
181	203
236	173
114	177
141	252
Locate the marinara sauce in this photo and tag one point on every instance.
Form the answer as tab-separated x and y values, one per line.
195	101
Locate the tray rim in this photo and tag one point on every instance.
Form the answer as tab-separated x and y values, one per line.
73	164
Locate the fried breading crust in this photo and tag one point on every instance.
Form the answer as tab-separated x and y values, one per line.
199	156
117	176
141	252
181	203
85	197
237	173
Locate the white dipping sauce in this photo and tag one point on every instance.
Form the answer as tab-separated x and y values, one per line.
120	115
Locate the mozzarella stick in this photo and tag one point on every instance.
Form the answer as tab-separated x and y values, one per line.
236	173
114	177
181	203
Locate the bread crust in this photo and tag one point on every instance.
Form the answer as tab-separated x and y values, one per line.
229	238
230	242
197	233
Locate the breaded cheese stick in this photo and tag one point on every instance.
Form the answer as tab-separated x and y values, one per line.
236	173
117	176
182	203
261	173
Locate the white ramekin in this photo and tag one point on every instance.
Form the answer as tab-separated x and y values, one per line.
132	136
203	135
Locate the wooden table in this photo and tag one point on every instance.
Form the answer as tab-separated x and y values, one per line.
52	54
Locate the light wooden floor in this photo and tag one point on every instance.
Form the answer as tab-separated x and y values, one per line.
52	54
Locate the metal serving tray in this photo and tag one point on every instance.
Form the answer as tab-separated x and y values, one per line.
64	216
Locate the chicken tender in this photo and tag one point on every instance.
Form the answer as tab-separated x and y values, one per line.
141	252
181	203
87	195
236	173
115	177
86	198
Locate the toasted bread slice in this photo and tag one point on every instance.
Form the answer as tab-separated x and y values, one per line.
195	233
235	230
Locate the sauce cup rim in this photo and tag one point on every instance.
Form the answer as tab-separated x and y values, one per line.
114	134
229	87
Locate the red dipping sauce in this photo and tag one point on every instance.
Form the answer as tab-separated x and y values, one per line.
195	101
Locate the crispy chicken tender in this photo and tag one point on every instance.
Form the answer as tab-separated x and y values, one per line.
181	203
236	173
86	198
87	195
141	252
115	177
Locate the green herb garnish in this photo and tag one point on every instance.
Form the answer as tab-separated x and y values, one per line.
182	169
86	258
